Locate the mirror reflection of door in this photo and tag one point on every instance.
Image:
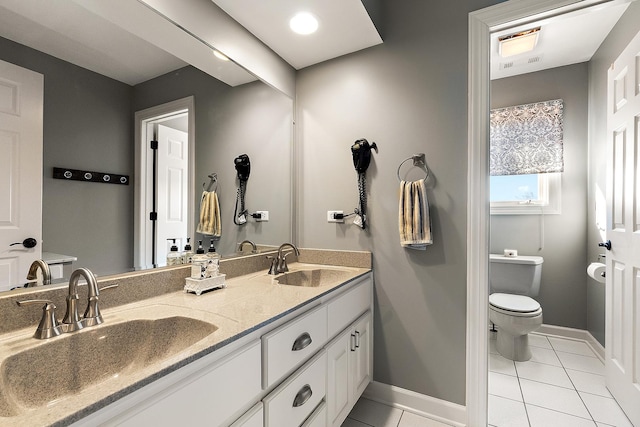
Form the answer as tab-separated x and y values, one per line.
172	171
21	129
164	181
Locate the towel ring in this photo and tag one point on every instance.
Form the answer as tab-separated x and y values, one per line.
418	161
213	180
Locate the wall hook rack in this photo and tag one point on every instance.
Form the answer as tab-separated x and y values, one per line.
90	176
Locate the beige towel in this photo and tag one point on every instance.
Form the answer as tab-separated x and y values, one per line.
414	220
209	214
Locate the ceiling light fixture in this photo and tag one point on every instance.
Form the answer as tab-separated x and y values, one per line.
220	55
515	44
303	23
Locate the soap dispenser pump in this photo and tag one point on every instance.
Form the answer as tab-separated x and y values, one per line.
173	257
187	255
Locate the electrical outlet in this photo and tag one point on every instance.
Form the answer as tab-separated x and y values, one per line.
264	216
331	216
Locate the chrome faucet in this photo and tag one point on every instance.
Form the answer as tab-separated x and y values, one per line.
33	273
279	263
253	246
49	326
71	321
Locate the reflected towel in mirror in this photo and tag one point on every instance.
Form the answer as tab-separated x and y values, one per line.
414	220
209	214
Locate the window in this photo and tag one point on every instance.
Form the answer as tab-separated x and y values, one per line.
525	194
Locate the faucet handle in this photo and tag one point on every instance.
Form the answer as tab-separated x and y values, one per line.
92	315
48	326
274	264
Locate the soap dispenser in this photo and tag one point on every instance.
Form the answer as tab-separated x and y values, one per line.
214	261
199	263
187	255
173	257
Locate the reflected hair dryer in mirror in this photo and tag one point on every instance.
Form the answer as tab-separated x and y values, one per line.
243	168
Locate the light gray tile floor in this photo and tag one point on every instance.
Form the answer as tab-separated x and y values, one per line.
368	413
561	386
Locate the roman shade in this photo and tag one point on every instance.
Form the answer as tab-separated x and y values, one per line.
526	139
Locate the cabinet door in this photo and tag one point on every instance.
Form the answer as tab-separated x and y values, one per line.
211	397
362	367
339	381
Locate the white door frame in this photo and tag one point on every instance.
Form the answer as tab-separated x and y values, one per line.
141	210
481	24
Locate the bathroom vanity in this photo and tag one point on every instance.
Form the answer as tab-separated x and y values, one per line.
257	353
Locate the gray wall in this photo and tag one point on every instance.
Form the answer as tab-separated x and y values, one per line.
626	28
409	95
560	239
253	119
87	125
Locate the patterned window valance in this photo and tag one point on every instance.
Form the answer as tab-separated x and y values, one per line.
526	139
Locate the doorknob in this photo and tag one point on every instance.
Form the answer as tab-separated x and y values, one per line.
28	243
606	244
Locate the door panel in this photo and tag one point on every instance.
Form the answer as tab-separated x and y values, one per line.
173	180
21	100
623	229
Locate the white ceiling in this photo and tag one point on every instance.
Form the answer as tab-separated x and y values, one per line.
69	31
567	39
344	27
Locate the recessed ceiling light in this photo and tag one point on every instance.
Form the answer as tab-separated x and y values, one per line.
303	23
220	56
515	44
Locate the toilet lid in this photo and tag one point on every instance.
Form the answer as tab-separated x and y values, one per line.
517	303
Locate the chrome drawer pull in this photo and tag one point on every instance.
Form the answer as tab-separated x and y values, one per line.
303	395
357	339
301	342
353	342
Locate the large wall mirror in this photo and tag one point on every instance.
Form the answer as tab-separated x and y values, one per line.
89	124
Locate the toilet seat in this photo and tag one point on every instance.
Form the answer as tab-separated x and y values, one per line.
514	305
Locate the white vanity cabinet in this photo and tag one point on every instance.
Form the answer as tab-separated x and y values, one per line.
306	369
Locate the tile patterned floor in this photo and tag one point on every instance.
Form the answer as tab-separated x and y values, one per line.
368	413
561	386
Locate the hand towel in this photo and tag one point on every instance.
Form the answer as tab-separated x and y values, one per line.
209	214
414	220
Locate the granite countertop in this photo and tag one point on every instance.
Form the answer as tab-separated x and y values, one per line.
248	303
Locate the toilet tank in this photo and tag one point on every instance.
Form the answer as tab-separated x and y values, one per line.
518	275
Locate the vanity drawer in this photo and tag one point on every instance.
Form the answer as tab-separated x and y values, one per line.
295	399
349	306
287	347
318	418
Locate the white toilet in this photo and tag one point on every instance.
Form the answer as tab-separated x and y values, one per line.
512	282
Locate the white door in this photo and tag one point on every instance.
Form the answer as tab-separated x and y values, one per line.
623	229
363	364
21	100
173	180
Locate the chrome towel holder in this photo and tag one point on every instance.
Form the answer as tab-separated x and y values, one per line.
419	161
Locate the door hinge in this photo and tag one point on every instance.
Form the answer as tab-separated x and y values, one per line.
154	145
153	216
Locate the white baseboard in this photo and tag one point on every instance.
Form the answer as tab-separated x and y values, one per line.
420	404
576	334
